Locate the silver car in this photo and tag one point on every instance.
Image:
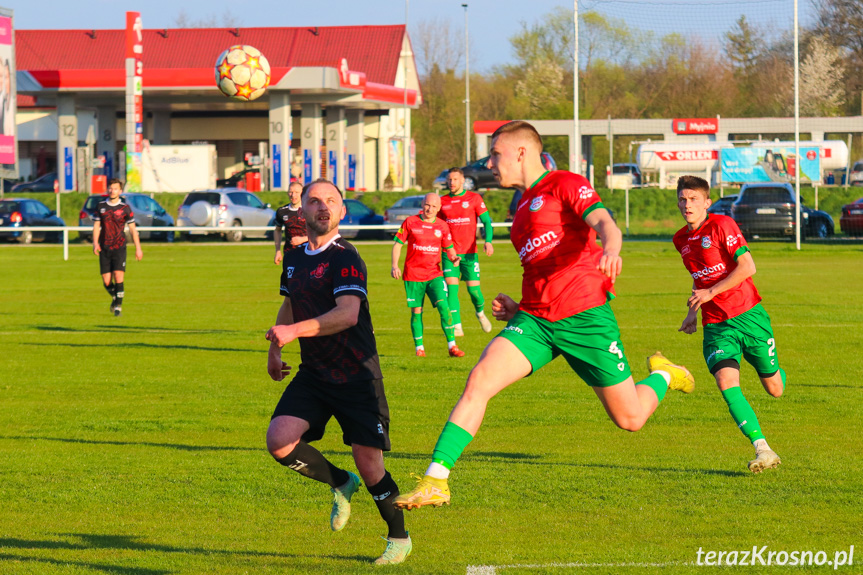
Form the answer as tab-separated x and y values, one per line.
402	209
225	208
148	213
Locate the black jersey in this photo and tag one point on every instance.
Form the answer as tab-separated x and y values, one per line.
313	281
294	223
113	220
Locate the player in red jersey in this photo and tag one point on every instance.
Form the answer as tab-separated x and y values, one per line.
564	310
109	242
461	210
715	253
426	236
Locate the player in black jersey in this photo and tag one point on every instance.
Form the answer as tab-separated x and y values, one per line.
290	216
109	242
326	307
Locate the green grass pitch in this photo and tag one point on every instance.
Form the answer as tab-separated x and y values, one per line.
135	445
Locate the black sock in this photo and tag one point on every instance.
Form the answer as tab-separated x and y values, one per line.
384	493
118	289
308	461
110	289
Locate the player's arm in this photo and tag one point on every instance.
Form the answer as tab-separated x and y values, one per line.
745	269
690	322
612	240
452	255
503	307
97	231
133	229
277	368
297	240
397	252
277	239
343	316
488	232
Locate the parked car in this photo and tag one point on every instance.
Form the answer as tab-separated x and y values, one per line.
236	180
358	214
21	212
402	209
226	208
42	184
148	213
722	206
624	176
477	175
851	221
768	209
855	177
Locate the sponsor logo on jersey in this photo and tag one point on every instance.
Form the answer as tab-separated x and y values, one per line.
437	233
458	221
102	211
685	250
465	204
290	271
705	242
708	271
585	192
536	204
286	217
319	271
694	238
352	272
427	249
482	205
536	243
731	240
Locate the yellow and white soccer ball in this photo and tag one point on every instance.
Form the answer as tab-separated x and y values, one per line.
242	73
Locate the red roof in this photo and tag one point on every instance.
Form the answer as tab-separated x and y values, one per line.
373	50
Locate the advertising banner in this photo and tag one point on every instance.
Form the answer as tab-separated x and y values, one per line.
765	163
8	98
396	161
134	101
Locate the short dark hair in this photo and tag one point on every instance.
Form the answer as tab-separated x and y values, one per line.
320	181
520	127
693	183
113	181
455	171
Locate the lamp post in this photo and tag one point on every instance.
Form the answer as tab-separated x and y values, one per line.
466	92
575	132
406	175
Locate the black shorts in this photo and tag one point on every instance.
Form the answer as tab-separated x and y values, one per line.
112	261
360	407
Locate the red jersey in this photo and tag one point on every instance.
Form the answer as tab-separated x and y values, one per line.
461	212
557	249
709	254
425	242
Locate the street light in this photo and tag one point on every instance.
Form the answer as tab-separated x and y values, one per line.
406	176
466	93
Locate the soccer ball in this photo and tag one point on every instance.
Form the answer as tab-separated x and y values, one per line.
242	73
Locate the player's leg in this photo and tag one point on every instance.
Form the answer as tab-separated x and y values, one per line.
105	271
415	293
470	271
118	269
436	290
451	275
759	348
503	362
285	444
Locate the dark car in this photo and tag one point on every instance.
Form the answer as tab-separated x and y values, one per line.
768	209
851	221
358	214
43	184
236	180
477	175
148	213
19	213
722	206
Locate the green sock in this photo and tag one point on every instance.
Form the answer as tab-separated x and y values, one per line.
782	373
417	328
452	301
476	297
452	441
446	321
657	383
742	413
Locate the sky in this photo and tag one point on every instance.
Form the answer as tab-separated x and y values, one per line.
491	22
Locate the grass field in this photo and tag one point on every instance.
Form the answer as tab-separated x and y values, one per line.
135	445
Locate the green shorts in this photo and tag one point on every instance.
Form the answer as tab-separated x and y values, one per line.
468	268
590	342
749	334
416	292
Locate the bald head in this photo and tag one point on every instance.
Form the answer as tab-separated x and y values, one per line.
431	206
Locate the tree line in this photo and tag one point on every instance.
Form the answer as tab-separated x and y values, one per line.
625	72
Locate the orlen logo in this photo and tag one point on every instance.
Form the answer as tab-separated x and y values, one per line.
731	240
708	271
585	192
534	243
688	155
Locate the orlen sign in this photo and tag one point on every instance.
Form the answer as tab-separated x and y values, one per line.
688	155
695	125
